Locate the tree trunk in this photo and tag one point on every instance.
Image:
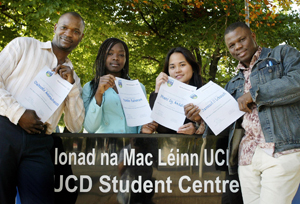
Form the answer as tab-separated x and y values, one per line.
214	64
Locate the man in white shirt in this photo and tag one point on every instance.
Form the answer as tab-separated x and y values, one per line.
25	141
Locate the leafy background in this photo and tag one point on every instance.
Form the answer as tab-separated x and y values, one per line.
151	28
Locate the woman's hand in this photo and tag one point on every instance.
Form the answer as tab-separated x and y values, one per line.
187	129
149	128
192	112
161	78
105	82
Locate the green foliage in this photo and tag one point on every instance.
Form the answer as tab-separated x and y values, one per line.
151	28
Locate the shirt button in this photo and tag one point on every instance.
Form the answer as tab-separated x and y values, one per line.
121	118
106	123
122	131
270	70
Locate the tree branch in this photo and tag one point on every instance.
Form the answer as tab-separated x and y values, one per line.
150	58
154	30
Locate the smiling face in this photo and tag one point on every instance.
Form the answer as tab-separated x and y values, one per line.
115	60
242	44
179	68
68	32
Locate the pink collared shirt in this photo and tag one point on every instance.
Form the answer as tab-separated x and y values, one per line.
20	61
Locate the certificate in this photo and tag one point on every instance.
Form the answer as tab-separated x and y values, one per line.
135	105
45	93
218	108
168	109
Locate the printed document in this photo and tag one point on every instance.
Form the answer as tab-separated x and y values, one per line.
218	108
45	93
168	109
135	105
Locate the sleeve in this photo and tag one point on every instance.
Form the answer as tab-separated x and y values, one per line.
93	112
9	57
283	90
74	108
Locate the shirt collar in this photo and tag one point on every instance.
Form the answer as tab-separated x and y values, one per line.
48	46
255	57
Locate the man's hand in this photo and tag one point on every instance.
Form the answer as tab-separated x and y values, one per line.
192	112
31	123
65	72
149	128
244	101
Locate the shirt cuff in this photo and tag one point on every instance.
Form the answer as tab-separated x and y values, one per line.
14	116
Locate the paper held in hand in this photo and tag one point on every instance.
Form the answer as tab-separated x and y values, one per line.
135	105
218	108
168	109
45	93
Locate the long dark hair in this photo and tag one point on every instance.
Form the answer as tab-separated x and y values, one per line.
99	65
196	79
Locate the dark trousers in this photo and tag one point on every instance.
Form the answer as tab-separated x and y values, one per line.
25	162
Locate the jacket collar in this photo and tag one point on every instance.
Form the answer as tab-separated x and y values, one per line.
264	54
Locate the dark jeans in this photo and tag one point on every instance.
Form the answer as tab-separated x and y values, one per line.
25	161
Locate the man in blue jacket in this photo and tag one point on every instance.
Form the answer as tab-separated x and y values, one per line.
267	88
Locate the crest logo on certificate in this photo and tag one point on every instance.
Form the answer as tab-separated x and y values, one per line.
49	73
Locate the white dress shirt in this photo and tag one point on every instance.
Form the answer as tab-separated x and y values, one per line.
20	61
